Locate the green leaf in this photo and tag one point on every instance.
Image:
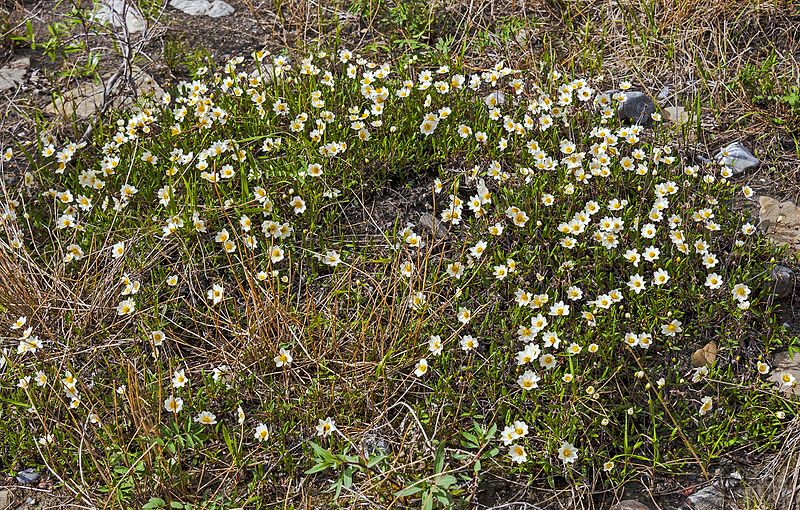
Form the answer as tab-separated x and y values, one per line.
321	466
408	491
323	453
471	438
438	465
446	481
154	503
347	477
427	502
376	460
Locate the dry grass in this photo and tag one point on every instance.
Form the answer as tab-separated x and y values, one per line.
696	48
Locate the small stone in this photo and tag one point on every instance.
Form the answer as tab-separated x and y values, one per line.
738	158
192	7
704	356
781	281
629	504
12	75
120	14
215	9
637	108
28	476
677	115
434	226
5	500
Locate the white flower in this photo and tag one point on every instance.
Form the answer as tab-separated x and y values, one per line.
298	205
417	300
660	277
672	329
421	368
787	379
740	292
713	281
173	404
706	403
468	343
118	250
529	380
284	358
206	418
326	427
126	307
567	453
215	294
261	433
179	379
158	337
435	345
331	258
517	454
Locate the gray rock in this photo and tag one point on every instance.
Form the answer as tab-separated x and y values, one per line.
192	7
629	504
433	226
737	157
215	9
28	476
781	281
120	14
780	221
12	75
219	9
637	108
712	498
515	505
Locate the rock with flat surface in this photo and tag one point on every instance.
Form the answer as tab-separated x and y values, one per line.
121	14
780	221
677	115
738	158
12	75
86	99
434	226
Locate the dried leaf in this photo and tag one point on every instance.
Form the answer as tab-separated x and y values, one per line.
706	355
